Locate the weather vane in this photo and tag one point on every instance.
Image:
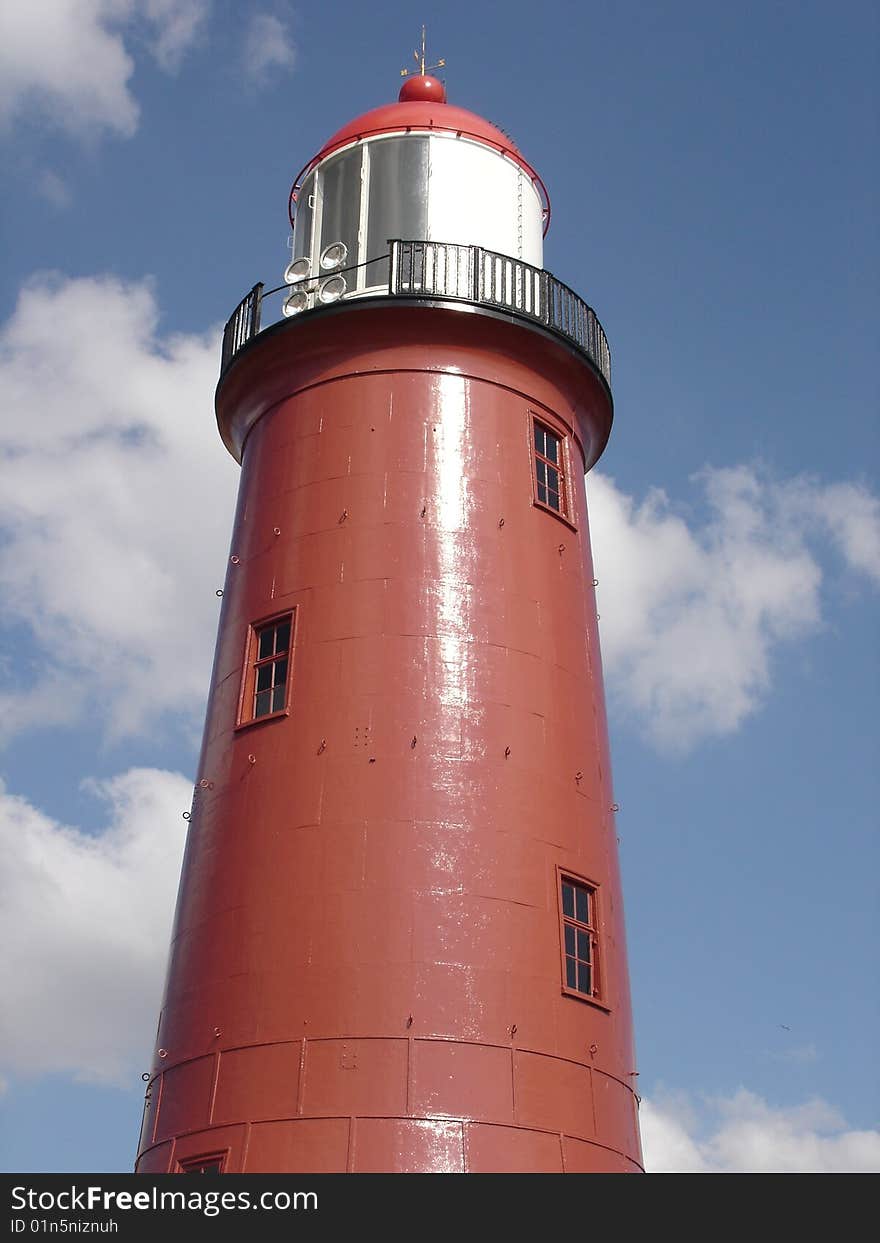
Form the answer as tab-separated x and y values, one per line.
420	61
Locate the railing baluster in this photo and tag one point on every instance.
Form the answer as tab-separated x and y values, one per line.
243	324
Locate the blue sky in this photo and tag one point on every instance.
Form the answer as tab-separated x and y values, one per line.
713	174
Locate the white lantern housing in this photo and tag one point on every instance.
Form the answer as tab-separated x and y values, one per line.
415	171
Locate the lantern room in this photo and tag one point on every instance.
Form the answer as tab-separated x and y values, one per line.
419	168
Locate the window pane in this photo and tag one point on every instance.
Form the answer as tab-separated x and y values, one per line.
569	939
263	703
340	183
539	438
585	978
278	698
571	973
202	1167
583	946
282	637
541	472
265	643
583	907
280	667
398	206
542	493
302	228
552	450
264	677
552	479
553	501
567	899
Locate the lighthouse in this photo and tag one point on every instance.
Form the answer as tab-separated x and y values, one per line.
399	938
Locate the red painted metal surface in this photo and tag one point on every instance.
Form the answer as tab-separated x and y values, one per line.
421	114
422	88
366	971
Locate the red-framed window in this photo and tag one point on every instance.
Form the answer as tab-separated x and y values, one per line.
579	932
212	1164
550	468
265	688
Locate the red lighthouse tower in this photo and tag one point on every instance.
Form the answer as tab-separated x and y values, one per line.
399	940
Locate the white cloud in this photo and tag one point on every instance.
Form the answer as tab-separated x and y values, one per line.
85	923
53	189
177	23
853	518
116	503
267	46
692	610
65	60
70	60
52	698
744	1134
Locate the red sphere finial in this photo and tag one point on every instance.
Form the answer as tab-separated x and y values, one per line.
422	89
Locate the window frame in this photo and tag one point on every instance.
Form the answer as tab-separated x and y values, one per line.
566	513
252	661
207	1158
599	972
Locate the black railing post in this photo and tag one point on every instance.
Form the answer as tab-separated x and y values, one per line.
257	295
243	324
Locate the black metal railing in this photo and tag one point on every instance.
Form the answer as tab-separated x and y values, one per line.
450	271
469	273
243	323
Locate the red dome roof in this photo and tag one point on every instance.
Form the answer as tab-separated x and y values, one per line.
422	114
392	118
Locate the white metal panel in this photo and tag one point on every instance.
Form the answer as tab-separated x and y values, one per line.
478	197
532	216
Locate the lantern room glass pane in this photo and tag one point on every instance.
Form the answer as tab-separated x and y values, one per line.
398	195
302	220
340	180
